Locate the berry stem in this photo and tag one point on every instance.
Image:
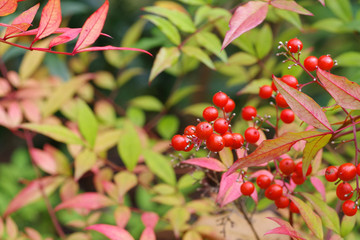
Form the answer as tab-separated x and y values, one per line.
240	207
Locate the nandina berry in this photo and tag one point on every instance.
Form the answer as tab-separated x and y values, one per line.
347	172
221	125
294	45
293	208
358	169
280	101
252	135
282	202
265	92
263	181
273	86
287	116
297	179
220	99
287	166
228	139
248	113
203	130
247	188
325	62
290	80
189	146
210	114
331	173
344	191
349	208
274	191
299	171
238	140
179	142
189	130
230	106
311	63
215	143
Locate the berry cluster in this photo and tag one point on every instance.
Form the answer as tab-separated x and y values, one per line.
344	191
324	62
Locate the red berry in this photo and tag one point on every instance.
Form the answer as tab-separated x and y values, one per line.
344	191
238	140
247	188
265	92
220	99
210	114
189	147
204	130
189	130
293	208
347	171
252	135
298	169
215	143
349	208
297	179
331	174
221	125
325	62
290	80
248	113
358	169
228	139
230	106
179	142
287	166
287	116
263	181
282	202
280	101
273	86
294	45
273	192
310	63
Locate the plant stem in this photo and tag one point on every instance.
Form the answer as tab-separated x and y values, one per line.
240	207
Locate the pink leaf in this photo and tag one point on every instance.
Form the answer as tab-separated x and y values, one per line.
112	232
209	163
245	18
33	234
44	160
149	219
254	196
50	19
122	215
31	111
7	7
290	6
262	172
89	201
319	186
14	114
65	37
284	229
303	106
23	21
346	93
148	234
92	28
32	192
322	2
104	48
229	189
289	186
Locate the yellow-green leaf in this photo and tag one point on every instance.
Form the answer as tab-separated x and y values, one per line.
160	166
87	122
212	43
148	103
165	27
84	162
107	139
199	54
178	218
165	58
347	225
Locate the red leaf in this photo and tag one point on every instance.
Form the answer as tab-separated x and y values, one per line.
112	232
319	186
209	163
245	18
303	106
272	149
92	27
31	111
262	172
23	21
7	7
284	229
50	19
89	201
229	189
346	93
149	219
104	48
32	192
290	6
44	160
67	36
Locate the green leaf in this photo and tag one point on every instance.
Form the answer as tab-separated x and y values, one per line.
104	80
187	180
347	225
180	94
147	103
313	145
212	43
264	42
226	156
133	34
254	86
107	139
87	122
168	126
56	132
341	8
199	54
165	27
136	115
160	166
178	217
84	162
129	146
125	181
195	109
349	59
246	42
328	215
242	59
166	58
179	19
333	25
194	2
127	75
291	17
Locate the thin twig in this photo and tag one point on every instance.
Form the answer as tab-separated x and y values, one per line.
240	207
